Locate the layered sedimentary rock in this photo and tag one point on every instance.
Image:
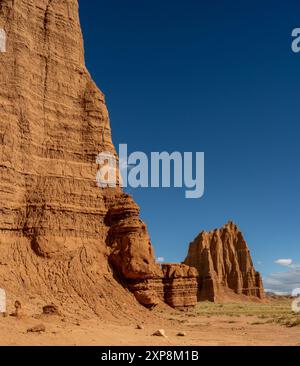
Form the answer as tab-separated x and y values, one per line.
224	263
61	236
180	285
131	252
176	284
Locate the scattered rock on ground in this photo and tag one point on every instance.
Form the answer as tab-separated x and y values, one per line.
159	333
18	307
50	310
37	329
181	334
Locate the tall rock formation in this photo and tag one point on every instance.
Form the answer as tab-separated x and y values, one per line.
224	263
62	238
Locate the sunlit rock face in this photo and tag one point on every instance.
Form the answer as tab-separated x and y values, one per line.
62	237
224	263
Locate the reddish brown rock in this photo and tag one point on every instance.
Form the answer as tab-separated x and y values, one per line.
180	285
62	238
131	252
40	328
224	263
51	310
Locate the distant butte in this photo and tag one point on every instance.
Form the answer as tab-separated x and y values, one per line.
224	263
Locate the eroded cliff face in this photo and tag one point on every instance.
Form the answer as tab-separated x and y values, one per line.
62	238
224	263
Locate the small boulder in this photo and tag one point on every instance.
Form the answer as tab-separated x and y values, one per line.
160	333
181	334
37	329
17	311
50	310
139	326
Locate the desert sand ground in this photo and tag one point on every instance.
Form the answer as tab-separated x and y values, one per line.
272	323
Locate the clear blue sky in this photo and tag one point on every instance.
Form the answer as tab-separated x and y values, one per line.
212	76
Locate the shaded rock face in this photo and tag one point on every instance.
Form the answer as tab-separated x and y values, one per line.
223	261
62	237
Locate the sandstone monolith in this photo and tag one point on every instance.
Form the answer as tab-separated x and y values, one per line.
224	263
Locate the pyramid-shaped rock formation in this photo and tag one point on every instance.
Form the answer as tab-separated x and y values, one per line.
224	263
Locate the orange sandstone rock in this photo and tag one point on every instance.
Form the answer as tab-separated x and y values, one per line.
180	285
224	263
62	238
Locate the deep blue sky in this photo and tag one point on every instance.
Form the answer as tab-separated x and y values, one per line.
212	76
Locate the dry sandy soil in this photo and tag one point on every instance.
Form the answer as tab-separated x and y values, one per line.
209	324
